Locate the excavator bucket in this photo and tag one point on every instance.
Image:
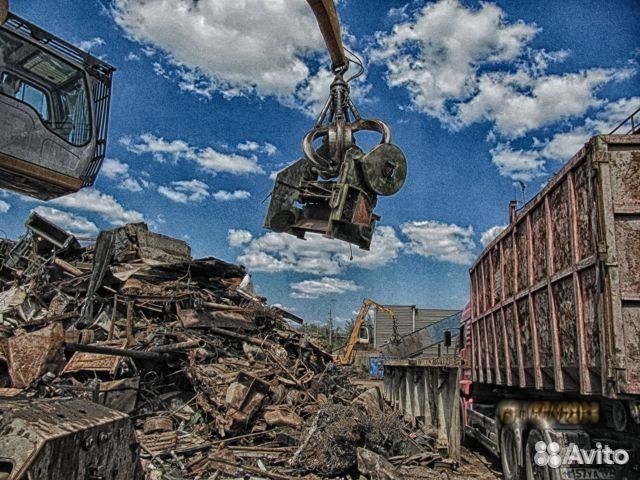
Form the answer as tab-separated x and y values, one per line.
54	109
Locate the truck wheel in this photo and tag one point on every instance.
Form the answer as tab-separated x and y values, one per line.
511	467
532	469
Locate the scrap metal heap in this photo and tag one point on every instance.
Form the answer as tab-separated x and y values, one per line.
213	378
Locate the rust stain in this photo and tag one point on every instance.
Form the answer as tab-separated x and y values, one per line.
96	362
33	354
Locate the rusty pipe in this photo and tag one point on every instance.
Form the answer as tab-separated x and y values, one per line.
178	347
118	352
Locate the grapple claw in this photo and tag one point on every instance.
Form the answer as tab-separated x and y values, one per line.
333	190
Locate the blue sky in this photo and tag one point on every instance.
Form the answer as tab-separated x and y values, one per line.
211	97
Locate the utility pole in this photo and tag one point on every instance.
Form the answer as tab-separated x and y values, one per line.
331	302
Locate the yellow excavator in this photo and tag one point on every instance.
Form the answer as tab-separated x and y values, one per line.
360	332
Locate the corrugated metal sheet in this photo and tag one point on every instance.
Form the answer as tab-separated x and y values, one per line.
556	296
383	329
429	316
409	319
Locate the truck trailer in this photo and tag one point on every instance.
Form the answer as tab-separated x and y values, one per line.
547	375
550	376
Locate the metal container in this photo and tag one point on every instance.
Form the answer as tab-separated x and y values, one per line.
66	439
555	298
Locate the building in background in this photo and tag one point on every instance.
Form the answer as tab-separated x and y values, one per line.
409	319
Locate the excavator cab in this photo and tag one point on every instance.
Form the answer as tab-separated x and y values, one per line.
364	338
54	110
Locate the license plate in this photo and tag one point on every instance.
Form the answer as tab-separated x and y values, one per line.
588	474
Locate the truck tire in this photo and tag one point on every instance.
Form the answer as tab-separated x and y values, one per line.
511	464
532	470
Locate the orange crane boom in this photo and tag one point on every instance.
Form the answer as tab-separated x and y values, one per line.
327	16
4	10
348	355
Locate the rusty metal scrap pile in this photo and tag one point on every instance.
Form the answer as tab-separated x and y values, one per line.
214	378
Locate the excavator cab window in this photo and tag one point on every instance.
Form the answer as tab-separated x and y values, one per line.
54	88
363	337
12	86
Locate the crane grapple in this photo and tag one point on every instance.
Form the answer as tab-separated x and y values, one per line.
334	189
54	108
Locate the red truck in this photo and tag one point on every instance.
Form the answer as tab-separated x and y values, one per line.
550	375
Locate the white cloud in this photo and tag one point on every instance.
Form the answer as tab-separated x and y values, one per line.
4	206
440	241
238	238
436	55
240	47
184	191
74	224
457	64
528	164
251	146
94	201
117	170
523	165
563	145
214	161
132	57
324	286
133	185
224	196
399	13
207	158
546	99
159	70
489	234
113	168
157	146
280	252
90	44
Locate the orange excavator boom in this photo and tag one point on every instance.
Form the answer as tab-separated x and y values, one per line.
348	355
4	10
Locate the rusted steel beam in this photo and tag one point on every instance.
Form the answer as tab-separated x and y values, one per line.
178	347
4	10
119	352
329	23
227	333
67	267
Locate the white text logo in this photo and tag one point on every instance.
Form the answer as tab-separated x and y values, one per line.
551	455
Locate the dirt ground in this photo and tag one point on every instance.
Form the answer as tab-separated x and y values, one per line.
478	463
